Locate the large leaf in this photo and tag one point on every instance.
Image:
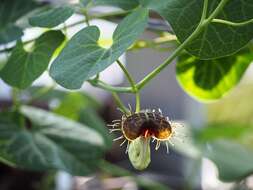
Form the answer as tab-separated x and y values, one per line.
24	67
217	40
52	142
83	58
52	17
234	161
229	146
211	79
11	11
89	117
129	4
82	108
10	33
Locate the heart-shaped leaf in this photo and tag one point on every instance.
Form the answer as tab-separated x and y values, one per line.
211	79
216	40
52	17
52	142
24	67
83	58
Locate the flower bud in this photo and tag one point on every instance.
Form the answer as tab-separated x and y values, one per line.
139	153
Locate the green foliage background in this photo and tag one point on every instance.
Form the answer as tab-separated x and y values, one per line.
213	52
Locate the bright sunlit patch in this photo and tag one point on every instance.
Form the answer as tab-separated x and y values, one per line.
105	43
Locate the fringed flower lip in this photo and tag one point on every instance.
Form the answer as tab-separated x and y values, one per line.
148	124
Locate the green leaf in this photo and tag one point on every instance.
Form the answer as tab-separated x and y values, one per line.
89	117
11	11
52	142
52	17
229	146
217	40
10	33
83	58
24	67
129	4
81	107
228	130
72	104
211	79
234	161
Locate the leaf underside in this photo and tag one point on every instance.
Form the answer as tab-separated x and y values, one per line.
211	79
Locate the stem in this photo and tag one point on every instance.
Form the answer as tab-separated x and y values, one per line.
120	103
216	11
202	24
155	72
15	99
129	77
236	24
85	13
103	85
137	102
132	83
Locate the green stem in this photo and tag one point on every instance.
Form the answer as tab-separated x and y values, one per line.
107	87
129	77
132	83
87	18
216	11
137	102
202	24
15	99
120	103
236	24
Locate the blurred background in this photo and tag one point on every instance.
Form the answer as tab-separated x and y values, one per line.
184	167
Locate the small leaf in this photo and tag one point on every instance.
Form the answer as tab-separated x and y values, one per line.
217	40
11	11
52	142
24	67
83	58
129	4
211	79
52	17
